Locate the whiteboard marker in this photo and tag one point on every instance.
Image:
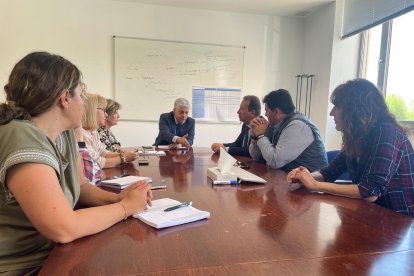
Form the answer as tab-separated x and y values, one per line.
224	182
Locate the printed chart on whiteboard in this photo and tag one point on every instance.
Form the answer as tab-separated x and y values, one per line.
216	103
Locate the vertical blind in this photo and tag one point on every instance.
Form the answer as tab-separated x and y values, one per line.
360	15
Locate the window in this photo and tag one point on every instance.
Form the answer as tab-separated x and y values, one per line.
387	57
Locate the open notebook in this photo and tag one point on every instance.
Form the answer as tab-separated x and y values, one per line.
156	217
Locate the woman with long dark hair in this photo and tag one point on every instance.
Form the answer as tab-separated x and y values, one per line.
375	151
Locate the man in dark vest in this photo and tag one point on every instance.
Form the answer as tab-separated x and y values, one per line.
249	109
289	139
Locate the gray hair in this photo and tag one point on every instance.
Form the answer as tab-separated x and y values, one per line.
181	102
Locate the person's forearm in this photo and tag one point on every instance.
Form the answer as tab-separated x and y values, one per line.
268	151
93	196
318	176
340	190
111	162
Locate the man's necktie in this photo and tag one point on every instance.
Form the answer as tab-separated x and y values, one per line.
178	130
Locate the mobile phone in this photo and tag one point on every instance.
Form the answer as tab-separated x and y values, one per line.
143	162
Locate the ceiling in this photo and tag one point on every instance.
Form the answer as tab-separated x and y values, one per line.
264	7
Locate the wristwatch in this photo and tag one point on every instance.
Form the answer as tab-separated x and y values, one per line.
257	137
260	136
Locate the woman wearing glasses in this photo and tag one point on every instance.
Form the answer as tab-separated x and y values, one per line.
105	133
93	118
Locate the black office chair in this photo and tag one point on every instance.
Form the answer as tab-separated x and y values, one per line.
331	156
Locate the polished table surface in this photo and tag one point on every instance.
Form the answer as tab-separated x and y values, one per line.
252	230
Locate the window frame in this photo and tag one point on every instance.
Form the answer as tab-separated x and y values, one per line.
383	62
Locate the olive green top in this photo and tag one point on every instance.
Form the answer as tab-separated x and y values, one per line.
21	244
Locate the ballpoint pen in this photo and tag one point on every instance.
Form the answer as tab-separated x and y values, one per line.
178	206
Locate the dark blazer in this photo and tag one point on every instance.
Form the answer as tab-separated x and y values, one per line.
168	129
241	145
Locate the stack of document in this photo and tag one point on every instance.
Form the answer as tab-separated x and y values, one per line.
157	217
151	152
167	147
123	182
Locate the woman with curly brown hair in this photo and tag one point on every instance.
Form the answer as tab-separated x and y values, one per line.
375	151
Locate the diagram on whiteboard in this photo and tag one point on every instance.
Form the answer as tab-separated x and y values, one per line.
151	74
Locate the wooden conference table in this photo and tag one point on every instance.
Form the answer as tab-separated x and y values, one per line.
253	230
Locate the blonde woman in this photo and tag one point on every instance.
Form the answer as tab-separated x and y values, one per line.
94	117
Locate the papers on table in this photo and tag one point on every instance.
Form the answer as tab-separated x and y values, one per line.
167	147
156	217
123	182
225	171
151	152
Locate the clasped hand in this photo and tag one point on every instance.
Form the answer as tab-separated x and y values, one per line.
183	141
216	147
258	125
301	176
131	155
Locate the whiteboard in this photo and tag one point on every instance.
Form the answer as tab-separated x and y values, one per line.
150	74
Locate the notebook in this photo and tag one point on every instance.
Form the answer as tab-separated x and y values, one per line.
156	217
123	182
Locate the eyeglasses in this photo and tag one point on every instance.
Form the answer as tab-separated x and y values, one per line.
100	108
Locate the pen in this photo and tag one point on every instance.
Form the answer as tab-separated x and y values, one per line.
158	187
224	182
178	206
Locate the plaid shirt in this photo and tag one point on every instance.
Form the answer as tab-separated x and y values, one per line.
91	169
385	169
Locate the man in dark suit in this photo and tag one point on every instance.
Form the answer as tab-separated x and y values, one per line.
176	127
249	109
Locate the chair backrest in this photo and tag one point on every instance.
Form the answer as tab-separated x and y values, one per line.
331	156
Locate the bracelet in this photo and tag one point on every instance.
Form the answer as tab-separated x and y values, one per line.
123	207
123	160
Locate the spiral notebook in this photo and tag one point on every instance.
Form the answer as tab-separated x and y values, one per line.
156	217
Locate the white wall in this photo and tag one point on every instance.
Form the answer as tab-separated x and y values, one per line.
318	33
82	32
332	60
344	66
